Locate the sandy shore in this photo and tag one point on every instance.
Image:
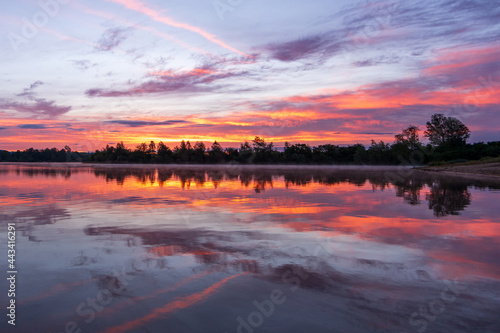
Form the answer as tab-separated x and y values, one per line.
477	170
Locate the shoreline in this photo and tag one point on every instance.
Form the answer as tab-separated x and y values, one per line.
472	170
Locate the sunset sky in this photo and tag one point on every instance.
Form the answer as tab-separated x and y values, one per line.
91	73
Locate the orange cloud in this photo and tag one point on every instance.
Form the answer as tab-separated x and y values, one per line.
450	59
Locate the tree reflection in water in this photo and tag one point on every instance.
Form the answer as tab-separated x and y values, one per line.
448	198
445	195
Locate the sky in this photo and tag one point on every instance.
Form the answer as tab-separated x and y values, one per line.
91	73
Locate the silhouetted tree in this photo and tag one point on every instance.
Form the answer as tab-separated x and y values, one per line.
259	144
216	153
182	146
298	153
199	152
360	154
232	154
449	131
152	147
246	153
122	153
263	152
143	147
181	153
245	146
379	153
409	137
326	154
164	153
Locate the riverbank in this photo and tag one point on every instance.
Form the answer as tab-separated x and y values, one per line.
488	168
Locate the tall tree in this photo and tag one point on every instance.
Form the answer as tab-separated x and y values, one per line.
120	146
297	153
263	152
259	144
409	137
182	147
199	152
245	146
152	147
164	152
142	147
200	146
216	153
216	147
443	130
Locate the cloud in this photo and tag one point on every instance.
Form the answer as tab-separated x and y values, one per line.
83	65
295	50
32	126
361	25
196	80
407	22
395	25
35	84
29	92
377	61
36	106
40	106
111	38
141	123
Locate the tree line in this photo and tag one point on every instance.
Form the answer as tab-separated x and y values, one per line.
447	142
44	155
447	136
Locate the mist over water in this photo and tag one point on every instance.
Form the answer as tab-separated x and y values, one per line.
251	249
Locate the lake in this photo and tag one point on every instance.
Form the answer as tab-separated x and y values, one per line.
249	249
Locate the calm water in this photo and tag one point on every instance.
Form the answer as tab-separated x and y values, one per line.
113	249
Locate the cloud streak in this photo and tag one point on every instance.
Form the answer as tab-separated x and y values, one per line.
141	7
29	92
32	126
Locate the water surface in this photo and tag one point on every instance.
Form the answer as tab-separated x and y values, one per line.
237	249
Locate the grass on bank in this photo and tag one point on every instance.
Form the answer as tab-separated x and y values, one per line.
460	162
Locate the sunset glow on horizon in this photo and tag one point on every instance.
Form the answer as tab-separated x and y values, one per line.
88	74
